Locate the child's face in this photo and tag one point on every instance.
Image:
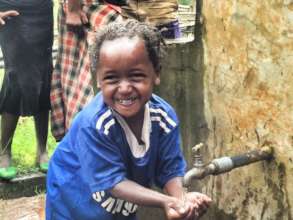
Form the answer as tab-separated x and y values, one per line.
126	76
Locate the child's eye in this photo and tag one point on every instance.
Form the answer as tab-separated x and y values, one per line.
111	78
137	76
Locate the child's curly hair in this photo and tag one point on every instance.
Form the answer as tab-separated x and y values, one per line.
154	42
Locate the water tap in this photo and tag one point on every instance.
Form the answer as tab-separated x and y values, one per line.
197	155
223	164
198	170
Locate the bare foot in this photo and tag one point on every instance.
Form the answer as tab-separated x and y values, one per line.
43	162
7	172
43	158
5	160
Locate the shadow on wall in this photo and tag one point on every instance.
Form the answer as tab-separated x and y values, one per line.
182	85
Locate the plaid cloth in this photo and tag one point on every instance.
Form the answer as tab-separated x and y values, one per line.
83	2
71	86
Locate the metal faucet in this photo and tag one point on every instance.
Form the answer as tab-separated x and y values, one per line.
222	164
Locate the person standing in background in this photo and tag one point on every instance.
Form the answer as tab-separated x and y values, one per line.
161	13
26	38
71	86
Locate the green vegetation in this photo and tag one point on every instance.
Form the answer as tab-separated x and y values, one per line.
24	145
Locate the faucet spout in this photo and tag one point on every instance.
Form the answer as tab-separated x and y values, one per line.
194	173
198	173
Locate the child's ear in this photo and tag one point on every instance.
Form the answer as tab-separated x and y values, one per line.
157	80
98	81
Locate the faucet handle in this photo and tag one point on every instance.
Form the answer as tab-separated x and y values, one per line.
196	151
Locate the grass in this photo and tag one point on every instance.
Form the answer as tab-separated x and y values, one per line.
24	142
24	148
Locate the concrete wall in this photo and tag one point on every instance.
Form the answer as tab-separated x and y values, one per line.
233	89
248	101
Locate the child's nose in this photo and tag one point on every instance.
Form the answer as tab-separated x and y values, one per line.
125	86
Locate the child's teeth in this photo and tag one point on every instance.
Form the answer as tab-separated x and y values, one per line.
126	101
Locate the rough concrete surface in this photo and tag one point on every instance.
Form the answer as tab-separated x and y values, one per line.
25	208
232	89
248	101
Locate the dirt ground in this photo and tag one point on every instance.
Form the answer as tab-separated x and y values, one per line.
25	208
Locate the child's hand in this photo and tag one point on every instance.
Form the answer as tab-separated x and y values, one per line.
179	210
7	14
199	202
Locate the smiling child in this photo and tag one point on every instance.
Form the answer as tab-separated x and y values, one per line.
124	141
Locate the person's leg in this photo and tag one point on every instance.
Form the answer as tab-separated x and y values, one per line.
41	126
8	126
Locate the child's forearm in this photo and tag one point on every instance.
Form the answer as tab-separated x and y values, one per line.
174	188
135	193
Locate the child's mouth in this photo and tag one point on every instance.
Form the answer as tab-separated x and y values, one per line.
126	102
